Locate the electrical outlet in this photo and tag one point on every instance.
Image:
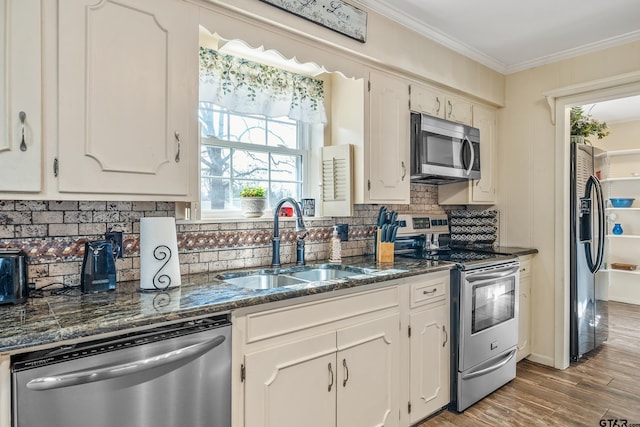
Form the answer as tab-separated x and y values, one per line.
115	237
343	232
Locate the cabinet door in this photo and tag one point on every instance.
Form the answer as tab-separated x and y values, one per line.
484	189
524	309
21	81
292	385
128	73
458	110
429	353
388	149
368	373
427	101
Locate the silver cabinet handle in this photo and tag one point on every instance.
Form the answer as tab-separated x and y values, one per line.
432	291
404	170
22	116
331	376
346	372
450	108
177	136
115	371
446	335
438	101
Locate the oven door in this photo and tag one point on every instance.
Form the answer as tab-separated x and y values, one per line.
488	313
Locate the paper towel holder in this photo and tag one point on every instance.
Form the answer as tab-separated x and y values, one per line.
159	264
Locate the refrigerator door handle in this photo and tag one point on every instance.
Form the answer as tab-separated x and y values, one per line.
601	224
593	184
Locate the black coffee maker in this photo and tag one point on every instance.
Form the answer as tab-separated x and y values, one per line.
99	266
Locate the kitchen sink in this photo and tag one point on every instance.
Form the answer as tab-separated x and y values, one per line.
322	273
269	279
263	281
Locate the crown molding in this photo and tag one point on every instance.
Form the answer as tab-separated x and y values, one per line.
455	45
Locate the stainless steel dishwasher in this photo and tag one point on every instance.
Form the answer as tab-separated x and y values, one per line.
177	375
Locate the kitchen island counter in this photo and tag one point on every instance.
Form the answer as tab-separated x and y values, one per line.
67	315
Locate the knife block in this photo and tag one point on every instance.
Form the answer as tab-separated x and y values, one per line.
384	250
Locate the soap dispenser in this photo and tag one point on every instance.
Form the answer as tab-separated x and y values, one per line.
336	247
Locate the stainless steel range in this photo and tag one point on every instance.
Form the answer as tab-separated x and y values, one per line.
484	307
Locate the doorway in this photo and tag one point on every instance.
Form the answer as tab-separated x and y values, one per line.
560	101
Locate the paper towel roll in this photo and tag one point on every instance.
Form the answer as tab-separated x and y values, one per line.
159	264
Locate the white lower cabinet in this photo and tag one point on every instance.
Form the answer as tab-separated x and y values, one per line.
293	384
429	339
367	366
373	358
524	307
346	378
334	362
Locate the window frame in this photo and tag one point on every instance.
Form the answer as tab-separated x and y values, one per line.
303	136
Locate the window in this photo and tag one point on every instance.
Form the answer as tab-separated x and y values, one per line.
257	124
247	149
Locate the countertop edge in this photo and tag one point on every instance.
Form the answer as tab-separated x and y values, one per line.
62	335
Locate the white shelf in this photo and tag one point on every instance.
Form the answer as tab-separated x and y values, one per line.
625	179
624	236
622	209
615	153
615	270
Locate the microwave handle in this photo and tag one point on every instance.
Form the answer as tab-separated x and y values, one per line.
466	140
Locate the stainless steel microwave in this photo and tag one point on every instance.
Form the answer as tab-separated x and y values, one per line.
443	151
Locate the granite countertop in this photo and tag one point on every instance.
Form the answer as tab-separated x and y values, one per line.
57	317
511	250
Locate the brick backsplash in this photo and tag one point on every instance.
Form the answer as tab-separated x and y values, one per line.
53	234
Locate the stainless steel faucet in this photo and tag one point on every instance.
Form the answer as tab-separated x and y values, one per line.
275	256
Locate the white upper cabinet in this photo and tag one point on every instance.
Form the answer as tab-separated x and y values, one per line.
388	148
458	110
21	102
481	191
428	101
436	103
127	97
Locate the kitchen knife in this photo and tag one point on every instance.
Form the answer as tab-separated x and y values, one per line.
394	232
382	216
393	218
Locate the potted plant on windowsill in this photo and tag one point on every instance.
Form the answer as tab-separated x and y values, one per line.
252	200
583	126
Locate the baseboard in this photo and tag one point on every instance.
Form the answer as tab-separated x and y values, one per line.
540	359
625	300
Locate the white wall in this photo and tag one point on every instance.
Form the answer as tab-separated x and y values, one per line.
623	136
527	177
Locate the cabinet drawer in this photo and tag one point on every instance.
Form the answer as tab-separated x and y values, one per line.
273	323
433	288
525	267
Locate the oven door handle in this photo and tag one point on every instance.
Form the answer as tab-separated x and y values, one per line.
491	368
493	275
115	371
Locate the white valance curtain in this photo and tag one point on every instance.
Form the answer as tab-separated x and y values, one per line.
248	87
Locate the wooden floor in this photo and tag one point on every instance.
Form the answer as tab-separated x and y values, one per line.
603	386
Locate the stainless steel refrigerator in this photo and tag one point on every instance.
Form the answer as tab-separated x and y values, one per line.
589	296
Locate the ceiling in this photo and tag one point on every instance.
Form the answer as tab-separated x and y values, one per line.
510	35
